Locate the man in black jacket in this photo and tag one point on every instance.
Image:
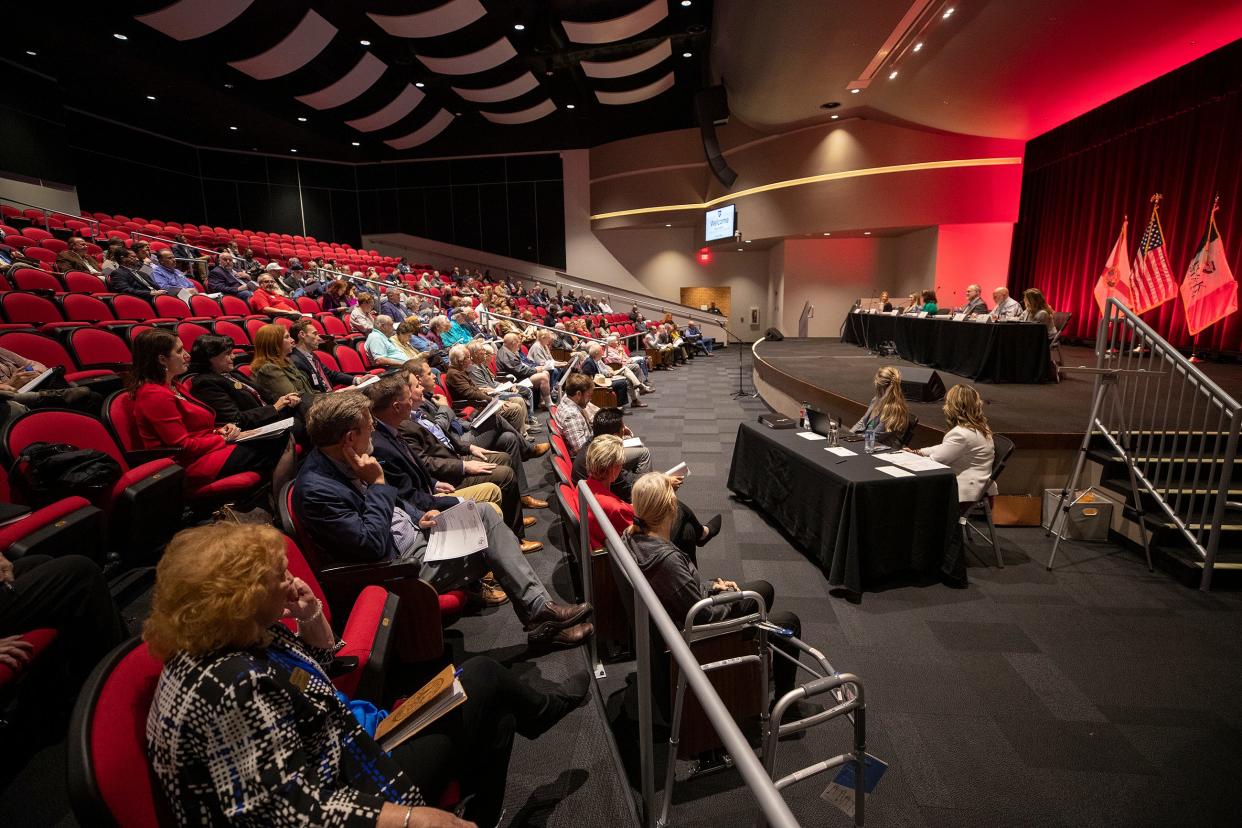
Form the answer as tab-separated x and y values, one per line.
223	279
304	357
127	278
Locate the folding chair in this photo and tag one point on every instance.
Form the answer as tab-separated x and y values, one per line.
1002	449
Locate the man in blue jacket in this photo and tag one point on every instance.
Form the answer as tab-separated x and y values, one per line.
346	504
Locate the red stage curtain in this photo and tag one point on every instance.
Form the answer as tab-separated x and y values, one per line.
1179	135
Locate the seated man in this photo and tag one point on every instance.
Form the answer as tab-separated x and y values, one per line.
661	352
345	503
574	414
617	357
668	336
383	351
394	399
687	532
974	302
222	278
1006	307
306	359
623	381
269	298
128	278
695	339
511	360
167	276
482	381
75	257
392	306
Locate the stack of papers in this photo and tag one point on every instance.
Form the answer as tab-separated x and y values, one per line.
263	431
912	462
841	451
458	532
811	435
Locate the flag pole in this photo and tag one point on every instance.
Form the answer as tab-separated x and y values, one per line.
1194	339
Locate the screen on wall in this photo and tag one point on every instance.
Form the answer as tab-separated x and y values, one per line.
722	222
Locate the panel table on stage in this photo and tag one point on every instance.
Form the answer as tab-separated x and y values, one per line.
858	522
984	351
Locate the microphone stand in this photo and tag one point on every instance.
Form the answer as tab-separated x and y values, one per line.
741	392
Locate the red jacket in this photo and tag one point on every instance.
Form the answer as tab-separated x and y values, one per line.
263	299
168	421
619	512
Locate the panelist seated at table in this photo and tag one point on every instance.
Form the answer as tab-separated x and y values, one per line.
1006	308
914	304
968	450
929	303
974	302
885	305
1037	309
887	414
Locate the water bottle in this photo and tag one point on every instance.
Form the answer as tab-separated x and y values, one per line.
804	422
869	441
832	433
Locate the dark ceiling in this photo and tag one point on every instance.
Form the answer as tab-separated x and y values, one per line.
291	49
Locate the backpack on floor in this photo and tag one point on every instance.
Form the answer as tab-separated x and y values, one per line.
47	472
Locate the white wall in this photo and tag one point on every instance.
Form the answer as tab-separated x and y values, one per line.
41	194
585	255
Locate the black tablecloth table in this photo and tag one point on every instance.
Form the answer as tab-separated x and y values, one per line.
985	351
858	523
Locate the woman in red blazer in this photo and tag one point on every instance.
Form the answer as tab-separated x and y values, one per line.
167	418
605	457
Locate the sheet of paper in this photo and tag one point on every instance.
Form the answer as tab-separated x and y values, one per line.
481	417
841	451
374	378
893	471
958	317
922	314
502	387
263	431
913	462
39	380
632	442
458	532
526	383
811	435
680	470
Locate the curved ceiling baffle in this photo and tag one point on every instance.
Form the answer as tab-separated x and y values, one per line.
423	134
349	86
295	50
617	28
192	19
489	57
632	65
525	116
642	93
504	92
390	113
443	19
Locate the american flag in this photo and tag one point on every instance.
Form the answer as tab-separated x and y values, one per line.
1151	280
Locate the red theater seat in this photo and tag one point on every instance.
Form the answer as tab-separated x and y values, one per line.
45	349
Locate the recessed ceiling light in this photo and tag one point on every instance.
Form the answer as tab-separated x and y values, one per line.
355	143
685	2
892	75
32	53
834	117
687	54
947	13
456	114
150	97
292	150
739	250
748	241
303	120
420	84
866	232
233	128
228	86
120	36
569	106
519	27
827	234
364	42
668	225
855	91
917	47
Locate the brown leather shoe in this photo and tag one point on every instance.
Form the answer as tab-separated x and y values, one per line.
533	502
529	546
487	593
637	403
539	450
560	616
553	639
528	522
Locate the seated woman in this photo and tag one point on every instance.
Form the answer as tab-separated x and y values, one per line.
167	418
886	414
929	303
362	317
247	728
676	580
402	337
334	295
1037	309
16	372
274	373
967	448
914	304
212	381
885	305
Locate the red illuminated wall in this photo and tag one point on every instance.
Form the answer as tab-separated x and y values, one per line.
972	253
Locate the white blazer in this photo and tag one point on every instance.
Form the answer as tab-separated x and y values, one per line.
969	454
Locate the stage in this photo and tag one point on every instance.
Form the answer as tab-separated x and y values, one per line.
1045	421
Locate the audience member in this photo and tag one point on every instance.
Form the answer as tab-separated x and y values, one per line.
16	372
222	278
384	352
269	299
229	393
334	295
345	503
659	354
574	414
247	727
76	257
886	415
695	339
128	278
391	306
166	275
668	336
362	317
464	392
274	372
511	360
305	358
623	381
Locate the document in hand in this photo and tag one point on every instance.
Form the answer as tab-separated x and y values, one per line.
632	442
263	431
458	532
491	408
39	380
374	378
437	697
185	293
680	470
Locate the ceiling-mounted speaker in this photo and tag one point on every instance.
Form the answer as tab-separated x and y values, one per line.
711	106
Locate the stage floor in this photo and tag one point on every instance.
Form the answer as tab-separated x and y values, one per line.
1052	415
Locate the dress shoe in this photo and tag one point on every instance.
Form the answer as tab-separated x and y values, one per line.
487	593
529	546
534	502
647	389
538	450
559	616
713	529
637	403
528	521
546	638
569	696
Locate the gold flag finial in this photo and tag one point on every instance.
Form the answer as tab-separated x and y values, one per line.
1156	198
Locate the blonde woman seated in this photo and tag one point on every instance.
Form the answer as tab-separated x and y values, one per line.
968	449
247	729
887	413
1037	309
676	580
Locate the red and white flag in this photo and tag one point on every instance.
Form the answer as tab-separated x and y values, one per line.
1209	292
1115	279
1152	283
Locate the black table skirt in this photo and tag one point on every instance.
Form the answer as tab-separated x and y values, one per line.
988	352
860	525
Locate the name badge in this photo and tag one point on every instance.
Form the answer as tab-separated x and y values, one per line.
300	679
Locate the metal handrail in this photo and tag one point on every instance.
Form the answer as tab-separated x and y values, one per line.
1148	397
138	235
648	610
48	212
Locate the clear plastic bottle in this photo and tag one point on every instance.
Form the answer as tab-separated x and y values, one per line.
869	441
804	422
